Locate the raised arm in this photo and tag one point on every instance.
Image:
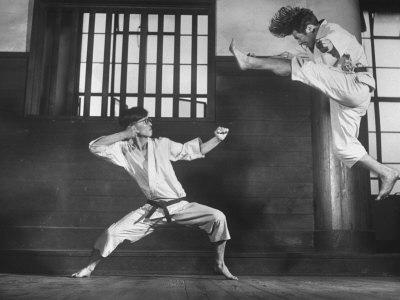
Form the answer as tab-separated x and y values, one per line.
219	135
112	147
128	133
195	149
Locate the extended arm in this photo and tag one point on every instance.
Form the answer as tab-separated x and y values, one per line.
195	149
219	135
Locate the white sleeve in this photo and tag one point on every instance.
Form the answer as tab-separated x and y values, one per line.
187	151
113	153
299	51
340	38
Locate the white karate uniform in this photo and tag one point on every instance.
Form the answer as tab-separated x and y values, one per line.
156	178
349	92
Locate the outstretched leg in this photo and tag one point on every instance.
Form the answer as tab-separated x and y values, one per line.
220	266
278	65
387	175
94	260
132	227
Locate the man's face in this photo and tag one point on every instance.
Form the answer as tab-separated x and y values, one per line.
144	127
305	39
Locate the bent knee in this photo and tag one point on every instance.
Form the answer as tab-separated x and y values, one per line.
110	231
219	216
339	152
342	153
284	70
349	156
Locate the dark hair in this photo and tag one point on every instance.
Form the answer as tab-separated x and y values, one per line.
134	114
288	18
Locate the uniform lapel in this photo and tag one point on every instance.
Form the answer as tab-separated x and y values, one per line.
151	163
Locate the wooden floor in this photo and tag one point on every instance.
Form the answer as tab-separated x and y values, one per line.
198	287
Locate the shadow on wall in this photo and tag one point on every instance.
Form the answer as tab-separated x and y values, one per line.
212	185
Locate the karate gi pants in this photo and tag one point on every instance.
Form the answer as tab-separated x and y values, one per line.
135	226
349	101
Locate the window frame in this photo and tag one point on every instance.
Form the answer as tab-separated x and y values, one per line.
375	99
34	94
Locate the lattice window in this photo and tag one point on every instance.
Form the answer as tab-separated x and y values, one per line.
381	41
153	58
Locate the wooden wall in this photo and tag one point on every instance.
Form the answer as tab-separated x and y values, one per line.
268	156
56	195
13	66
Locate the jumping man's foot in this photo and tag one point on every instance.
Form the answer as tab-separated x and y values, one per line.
85	272
223	270
387	184
241	58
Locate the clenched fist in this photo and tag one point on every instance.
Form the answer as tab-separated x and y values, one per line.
221	133
324	45
286	55
131	132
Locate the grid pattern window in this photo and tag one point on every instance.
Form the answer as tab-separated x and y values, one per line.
381	41
154	59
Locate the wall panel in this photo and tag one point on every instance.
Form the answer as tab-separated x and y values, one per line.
13	67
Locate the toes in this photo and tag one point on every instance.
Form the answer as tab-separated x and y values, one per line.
225	272
80	275
380	197
231	46
230	277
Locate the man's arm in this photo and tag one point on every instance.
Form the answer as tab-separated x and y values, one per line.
219	135
194	149
108	147
128	133
336	41
325	45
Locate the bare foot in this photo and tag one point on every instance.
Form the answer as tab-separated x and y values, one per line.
85	272
222	269
388	184
241	58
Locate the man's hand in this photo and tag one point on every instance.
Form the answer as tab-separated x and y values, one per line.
221	133
286	55
130	132
324	45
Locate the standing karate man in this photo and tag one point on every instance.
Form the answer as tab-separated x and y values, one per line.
331	60
148	161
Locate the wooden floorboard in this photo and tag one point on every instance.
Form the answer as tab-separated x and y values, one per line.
198	287
204	289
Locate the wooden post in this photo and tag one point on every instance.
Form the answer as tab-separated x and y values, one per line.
341	195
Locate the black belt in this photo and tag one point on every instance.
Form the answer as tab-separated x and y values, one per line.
162	204
360	69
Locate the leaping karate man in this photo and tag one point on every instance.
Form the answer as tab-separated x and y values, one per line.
148	161
331	60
